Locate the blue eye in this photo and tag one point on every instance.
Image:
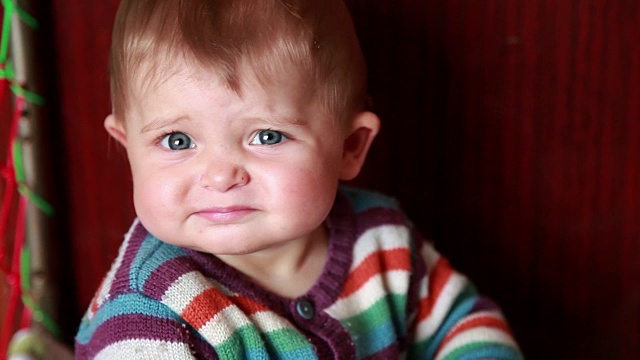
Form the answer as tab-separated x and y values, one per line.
177	141
268	137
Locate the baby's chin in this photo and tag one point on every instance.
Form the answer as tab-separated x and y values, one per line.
221	245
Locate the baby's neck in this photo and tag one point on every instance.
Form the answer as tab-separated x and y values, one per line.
288	270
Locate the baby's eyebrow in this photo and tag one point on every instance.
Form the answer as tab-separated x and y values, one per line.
285	120
161	123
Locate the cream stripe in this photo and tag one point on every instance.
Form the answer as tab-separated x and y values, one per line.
482	334
452	288
180	294
379	238
424	287
223	324
393	282
141	349
268	321
430	255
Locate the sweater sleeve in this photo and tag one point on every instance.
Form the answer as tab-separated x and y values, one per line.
451	321
133	326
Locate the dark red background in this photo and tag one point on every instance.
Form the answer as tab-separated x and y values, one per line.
511	135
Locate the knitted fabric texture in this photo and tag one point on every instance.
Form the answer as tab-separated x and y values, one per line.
384	293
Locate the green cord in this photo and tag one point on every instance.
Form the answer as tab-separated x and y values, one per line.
28	95
9	7
23	189
17	161
26	17
7	73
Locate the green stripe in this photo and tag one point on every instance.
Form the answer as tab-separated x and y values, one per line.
286	340
389	308
247	343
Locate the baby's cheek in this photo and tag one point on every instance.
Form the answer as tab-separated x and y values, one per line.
150	198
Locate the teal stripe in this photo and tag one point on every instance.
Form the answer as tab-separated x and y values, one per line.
375	340
460	308
299	354
132	303
150	256
484	350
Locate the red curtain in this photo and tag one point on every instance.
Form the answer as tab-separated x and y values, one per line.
511	136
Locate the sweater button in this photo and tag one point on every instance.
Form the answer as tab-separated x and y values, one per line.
305	309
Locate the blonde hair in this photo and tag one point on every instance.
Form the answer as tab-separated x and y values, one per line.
311	39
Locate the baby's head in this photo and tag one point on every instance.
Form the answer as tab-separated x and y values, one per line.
239	117
311	41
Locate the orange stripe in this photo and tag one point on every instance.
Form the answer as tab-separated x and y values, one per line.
476	322
204	307
438	278
374	264
248	305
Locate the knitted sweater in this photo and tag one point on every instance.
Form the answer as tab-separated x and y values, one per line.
384	293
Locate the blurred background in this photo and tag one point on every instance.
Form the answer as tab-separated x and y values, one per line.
511	136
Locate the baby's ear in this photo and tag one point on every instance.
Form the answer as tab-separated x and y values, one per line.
115	128
364	128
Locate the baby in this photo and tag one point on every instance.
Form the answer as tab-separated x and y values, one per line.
240	119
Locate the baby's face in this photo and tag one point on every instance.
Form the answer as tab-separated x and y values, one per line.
230	174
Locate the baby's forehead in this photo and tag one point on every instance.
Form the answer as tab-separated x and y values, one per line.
155	82
156	71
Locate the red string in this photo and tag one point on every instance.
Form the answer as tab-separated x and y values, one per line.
20	238
13	275
6	172
14	279
7	201
3	82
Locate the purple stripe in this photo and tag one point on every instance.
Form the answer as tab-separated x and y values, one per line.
147	327
484	304
166	275
131	327
340	224
390	352
121	279
378	217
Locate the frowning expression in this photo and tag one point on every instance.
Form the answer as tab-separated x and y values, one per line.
230	173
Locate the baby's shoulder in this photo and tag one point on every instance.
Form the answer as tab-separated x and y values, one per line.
362	200
144	264
377	218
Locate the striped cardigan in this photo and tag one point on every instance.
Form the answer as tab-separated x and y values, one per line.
384	293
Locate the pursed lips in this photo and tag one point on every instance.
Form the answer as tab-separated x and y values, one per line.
228	214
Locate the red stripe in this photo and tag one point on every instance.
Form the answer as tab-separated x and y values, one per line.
438	278
374	264
248	305
476	322
204	307
94	301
